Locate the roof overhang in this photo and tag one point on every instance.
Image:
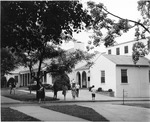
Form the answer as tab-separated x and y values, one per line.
126	65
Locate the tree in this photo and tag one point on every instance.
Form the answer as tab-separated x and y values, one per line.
63	65
8	61
102	23
3	82
35	29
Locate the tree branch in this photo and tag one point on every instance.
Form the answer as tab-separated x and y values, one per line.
127	19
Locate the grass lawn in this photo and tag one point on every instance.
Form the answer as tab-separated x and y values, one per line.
78	111
8	114
22	96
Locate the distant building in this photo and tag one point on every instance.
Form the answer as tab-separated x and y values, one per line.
111	70
126	48
23	76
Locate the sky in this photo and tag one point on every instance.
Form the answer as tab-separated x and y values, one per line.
123	8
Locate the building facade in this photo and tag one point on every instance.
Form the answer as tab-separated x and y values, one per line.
119	73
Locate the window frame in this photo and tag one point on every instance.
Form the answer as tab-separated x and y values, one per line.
103	77
126	49
117	51
109	51
124	76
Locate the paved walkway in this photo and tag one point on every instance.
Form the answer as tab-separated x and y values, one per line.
85	95
8	100
121	113
111	112
45	114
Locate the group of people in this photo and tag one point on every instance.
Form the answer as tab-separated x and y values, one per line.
74	90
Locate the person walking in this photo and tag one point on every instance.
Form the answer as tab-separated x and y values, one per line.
93	91
12	87
73	92
64	92
77	89
41	93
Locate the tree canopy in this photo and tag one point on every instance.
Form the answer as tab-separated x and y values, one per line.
35	30
9	61
107	29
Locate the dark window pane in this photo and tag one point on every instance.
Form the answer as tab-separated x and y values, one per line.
117	51
88	78
126	49
109	51
124	78
102	76
102	79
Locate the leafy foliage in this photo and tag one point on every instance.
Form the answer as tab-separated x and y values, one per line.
65	62
102	23
60	80
9	61
3	81
35	29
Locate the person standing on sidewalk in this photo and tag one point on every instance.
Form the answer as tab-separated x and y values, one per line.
73	91
64	92
77	88
12	87
93	91
41	93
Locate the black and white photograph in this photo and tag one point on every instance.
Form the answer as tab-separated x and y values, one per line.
75	60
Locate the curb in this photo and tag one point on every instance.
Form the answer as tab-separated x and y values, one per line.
71	101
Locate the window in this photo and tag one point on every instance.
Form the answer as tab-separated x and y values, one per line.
117	51
124	77
102	76
126	49
109	51
88	78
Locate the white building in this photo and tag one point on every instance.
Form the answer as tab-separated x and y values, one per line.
23	76
119	72
125	48
115	70
110	71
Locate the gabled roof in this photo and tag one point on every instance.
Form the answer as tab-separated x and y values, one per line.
123	60
85	67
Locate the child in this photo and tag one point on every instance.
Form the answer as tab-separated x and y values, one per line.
73	92
77	88
93	91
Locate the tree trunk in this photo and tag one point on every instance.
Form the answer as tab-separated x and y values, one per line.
38	87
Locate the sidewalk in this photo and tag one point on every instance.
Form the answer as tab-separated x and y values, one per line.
41	113
112	112
46	114
85	95
120	113
8	100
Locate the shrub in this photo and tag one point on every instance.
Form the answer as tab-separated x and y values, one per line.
47	86
99	89
110	90
32	87
3	81
11	81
